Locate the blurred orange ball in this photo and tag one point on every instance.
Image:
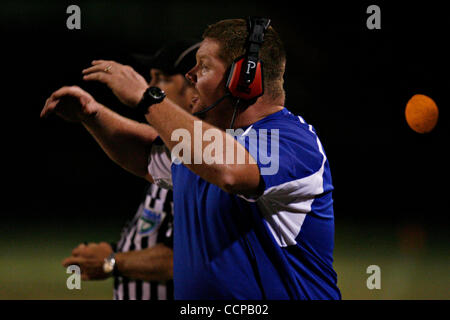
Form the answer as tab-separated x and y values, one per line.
421	113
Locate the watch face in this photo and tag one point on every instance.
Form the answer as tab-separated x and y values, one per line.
108	265
156	92
107	268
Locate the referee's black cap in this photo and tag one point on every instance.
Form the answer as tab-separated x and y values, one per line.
176	57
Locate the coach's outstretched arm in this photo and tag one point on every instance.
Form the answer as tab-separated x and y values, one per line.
237	178
166	117
125	141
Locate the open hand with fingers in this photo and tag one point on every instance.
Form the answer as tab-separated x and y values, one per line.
90	259
126	84
71	103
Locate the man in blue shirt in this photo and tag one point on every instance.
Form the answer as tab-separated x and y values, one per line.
261	228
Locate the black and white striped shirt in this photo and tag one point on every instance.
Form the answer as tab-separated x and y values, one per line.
152	224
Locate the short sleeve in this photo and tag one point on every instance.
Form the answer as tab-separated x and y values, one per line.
290	163
159	166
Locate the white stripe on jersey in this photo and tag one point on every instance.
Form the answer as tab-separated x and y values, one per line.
162	292
128	240
146	291
284	207
132	290
119	292
126	233
159	203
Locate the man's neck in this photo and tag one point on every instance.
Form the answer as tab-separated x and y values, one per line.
261	109
221	115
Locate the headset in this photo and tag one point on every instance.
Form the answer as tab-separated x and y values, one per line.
245	76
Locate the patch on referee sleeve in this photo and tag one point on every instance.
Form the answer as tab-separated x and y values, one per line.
150	221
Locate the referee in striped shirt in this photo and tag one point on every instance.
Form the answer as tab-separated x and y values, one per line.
141	261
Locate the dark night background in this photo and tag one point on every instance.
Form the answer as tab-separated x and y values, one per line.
352	84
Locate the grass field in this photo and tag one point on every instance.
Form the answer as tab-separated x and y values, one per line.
30	262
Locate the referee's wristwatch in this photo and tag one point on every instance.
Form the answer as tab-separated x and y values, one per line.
151	96
109	265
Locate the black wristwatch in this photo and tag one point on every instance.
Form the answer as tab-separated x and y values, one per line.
151	96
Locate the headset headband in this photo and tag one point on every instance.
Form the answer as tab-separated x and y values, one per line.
256	30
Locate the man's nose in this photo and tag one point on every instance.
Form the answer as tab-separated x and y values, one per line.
191	77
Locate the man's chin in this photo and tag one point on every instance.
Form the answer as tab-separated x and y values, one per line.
197	108
190	109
